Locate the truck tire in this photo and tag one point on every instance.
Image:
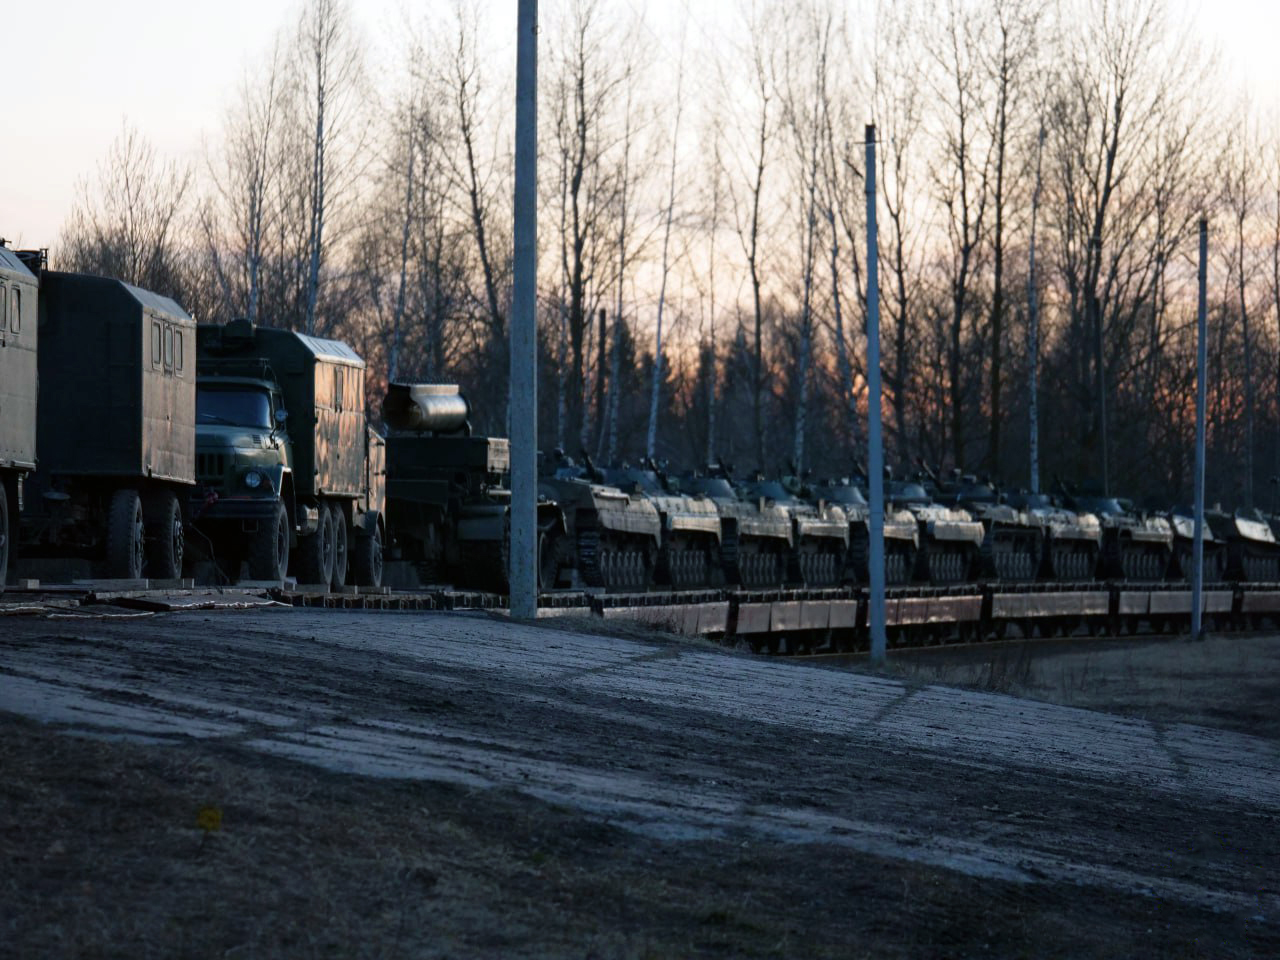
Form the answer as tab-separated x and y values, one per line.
315	552
6	537
366	559
162	522
268	547
126	536
340	539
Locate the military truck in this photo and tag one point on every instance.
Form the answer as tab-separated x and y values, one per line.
18	294
448	499
115	426
290	476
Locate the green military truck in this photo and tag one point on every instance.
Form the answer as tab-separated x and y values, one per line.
115	427
18	293
291	478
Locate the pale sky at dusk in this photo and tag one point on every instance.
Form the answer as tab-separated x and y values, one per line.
76	70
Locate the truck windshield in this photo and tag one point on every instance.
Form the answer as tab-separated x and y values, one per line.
242	407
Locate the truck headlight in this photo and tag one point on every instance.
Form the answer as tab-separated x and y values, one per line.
254	479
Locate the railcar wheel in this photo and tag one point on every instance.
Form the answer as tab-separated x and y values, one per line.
126	536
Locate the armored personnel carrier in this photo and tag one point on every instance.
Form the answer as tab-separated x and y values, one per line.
900	534
1012	543
756	536
949	538
1135	545
689	555
820	532
1072	541
615	535
1248	549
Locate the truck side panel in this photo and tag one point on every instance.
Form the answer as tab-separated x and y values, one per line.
17	364
117	381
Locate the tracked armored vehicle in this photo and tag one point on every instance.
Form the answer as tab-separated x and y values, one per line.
448	499
615	535
1012	543
819	556
1135	545
1249	550
900	534
1072	541
756	537
950	539
689	555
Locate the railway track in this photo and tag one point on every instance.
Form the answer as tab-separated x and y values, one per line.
781	621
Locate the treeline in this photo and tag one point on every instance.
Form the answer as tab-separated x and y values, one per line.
702	235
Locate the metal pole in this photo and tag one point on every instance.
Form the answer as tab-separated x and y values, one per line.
875	459
524	383
1197	556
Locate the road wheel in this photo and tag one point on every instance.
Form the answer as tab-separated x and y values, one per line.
315	552
268	547
166	543
5	536
366	563
339	576
126	536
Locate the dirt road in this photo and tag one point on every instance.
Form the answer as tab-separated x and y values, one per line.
456	785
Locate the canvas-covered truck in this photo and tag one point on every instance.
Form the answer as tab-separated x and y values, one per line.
291	477
18	382
115	426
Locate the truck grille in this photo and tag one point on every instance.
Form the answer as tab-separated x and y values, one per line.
211	465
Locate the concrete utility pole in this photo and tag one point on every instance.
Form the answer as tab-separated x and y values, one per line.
1197	555
875	459
524	383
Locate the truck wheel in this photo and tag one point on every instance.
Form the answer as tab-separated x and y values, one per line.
126	543
315	552
549	557
162	521
339	576
268	547
366	563
5	536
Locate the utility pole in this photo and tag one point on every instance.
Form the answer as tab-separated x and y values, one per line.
524	384
875	493
1197	555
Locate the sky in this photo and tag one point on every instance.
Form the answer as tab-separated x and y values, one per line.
78	70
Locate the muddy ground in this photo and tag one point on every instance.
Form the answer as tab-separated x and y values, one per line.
295	784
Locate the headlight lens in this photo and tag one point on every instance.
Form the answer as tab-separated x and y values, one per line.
254	479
